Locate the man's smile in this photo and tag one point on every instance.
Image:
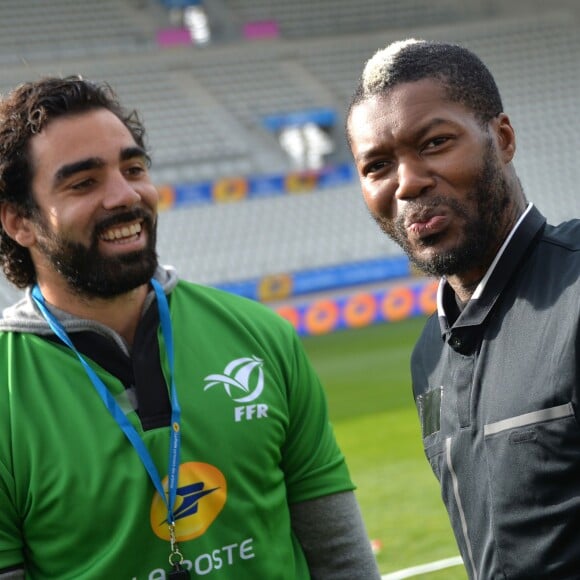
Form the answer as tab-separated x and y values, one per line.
119	233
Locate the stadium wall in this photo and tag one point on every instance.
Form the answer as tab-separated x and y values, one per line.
231	189
323	315
318	315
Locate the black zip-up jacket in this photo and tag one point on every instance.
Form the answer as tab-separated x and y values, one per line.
497	393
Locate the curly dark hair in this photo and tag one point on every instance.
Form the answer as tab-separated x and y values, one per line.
462	74
24	112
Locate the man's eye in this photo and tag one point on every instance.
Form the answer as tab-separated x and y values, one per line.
436	142
136	170
375	166
83	184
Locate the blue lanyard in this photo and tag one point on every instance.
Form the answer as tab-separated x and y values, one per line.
115	410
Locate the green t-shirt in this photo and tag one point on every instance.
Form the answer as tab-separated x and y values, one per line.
76	501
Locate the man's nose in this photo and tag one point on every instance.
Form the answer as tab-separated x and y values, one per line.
120	193
413	179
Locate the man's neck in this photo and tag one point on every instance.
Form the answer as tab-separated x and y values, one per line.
464	285
120	313
463	288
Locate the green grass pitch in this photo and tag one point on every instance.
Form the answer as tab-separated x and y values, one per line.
366	376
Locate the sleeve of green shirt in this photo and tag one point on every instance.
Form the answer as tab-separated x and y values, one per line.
10	538
312	461
325	514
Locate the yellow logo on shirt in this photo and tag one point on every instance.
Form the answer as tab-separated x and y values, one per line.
201	496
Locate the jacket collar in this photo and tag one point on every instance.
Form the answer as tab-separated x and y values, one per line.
523	235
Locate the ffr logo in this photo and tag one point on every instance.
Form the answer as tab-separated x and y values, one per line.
249	412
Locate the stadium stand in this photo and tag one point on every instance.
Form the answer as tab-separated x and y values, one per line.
31	30
249	239
307	19
205	107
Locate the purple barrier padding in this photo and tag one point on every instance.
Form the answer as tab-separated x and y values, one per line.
173	36
261	29
325	315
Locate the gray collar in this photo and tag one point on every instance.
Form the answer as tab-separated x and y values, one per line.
24	316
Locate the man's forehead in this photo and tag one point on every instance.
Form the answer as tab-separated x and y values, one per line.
407	103
97	134
91	128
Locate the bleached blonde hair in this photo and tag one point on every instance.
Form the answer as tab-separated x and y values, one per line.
462	74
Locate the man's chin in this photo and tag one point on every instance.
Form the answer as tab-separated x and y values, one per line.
435	262
113	279
108	289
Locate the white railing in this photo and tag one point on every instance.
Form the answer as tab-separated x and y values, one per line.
423	569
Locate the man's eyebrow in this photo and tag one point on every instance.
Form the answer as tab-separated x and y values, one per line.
432	124
416	135
70	169
134	152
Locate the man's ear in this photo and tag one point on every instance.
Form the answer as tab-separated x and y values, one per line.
18	227
506	137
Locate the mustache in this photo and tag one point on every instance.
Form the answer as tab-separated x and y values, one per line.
413	210
422	209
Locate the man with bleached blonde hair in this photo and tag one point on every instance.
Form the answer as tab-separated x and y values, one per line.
496	375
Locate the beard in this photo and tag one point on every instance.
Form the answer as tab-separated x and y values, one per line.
482	230
88	272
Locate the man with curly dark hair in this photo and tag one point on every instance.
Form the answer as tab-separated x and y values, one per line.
149	427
